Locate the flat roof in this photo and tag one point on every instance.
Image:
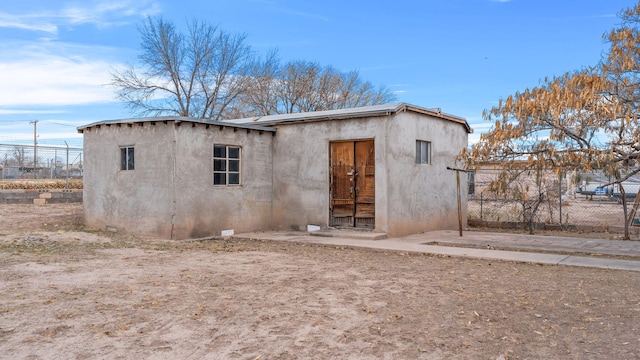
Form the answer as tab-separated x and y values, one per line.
177	120
264	123
365	111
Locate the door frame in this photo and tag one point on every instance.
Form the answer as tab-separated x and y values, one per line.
362	182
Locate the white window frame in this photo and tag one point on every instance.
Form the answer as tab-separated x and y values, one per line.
423	152
127	158
227	167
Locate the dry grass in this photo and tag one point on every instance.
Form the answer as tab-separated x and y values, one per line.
577	211
40	184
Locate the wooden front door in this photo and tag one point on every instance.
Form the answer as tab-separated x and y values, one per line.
353	184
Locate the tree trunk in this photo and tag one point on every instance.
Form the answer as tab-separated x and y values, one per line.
624	210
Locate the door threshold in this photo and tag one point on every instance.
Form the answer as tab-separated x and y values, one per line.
350	233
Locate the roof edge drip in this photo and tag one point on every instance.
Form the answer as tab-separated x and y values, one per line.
351	113
266	123
176	120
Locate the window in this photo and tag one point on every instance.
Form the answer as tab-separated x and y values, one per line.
472	184
126	158
226	165
423	152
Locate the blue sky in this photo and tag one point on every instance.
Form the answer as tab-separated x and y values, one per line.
459	55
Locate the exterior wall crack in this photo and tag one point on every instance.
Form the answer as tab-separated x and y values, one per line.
173	186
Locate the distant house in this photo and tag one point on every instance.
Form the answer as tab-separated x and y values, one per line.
382	168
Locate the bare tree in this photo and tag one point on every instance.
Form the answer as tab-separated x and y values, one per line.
260	97
210	74
301	86
17	157
197	74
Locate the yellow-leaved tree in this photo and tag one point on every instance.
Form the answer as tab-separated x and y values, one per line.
582	120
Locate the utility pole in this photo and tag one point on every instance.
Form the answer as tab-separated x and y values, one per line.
459	204
35	148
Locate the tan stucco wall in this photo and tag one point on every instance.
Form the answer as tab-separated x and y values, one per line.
203	209
410	198
301	169
285	178
136	201
170	193
423	197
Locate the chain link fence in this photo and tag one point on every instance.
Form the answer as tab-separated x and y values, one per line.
576	199
568	200
20	160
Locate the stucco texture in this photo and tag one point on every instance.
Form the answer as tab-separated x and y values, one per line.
285	175
410	198
171	193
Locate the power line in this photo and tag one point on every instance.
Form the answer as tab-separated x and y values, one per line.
15	121
61	124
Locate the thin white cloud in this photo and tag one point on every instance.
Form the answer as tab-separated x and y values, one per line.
484	125
103	13
473	138
23	22
54	81
99	13
58	135
29	112
42	137
46	74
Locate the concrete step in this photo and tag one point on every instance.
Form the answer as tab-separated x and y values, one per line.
349	234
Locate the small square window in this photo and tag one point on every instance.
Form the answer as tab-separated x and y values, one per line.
234	165
127	159
219	151
226	165
423	152
219	165
219	179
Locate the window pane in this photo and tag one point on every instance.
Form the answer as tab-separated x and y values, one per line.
234	153
219	151
123	158
234	165
219	179
219	165
423	150
428	156
234	178
130	159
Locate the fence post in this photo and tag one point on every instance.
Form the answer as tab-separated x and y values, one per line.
481	207
35	149
67	186
560	198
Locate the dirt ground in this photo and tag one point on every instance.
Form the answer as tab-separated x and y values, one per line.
578	211
74	294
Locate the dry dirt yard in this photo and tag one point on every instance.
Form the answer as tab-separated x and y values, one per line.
66	293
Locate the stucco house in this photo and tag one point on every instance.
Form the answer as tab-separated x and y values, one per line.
378	167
